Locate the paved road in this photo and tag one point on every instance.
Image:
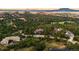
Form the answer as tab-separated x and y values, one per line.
52	37
41	36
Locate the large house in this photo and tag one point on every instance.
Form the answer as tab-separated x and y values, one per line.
39	31
10	40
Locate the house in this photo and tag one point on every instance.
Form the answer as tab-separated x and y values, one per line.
57	30
10	40
23	19
39	31
71	36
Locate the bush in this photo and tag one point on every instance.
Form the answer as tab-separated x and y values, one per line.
73	47
40	46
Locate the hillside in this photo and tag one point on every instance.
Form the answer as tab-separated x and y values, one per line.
38	32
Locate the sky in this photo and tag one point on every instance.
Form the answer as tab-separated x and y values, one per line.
39	4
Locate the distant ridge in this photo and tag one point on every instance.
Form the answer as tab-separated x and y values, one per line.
67	9
57	10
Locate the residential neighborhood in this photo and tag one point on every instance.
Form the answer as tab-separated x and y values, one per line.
39	31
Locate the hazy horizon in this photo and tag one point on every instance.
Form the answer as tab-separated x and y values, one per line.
34	8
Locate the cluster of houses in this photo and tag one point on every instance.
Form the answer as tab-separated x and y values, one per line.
69	34
15	14
13	39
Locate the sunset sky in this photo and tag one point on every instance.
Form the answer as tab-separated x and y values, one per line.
39	4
